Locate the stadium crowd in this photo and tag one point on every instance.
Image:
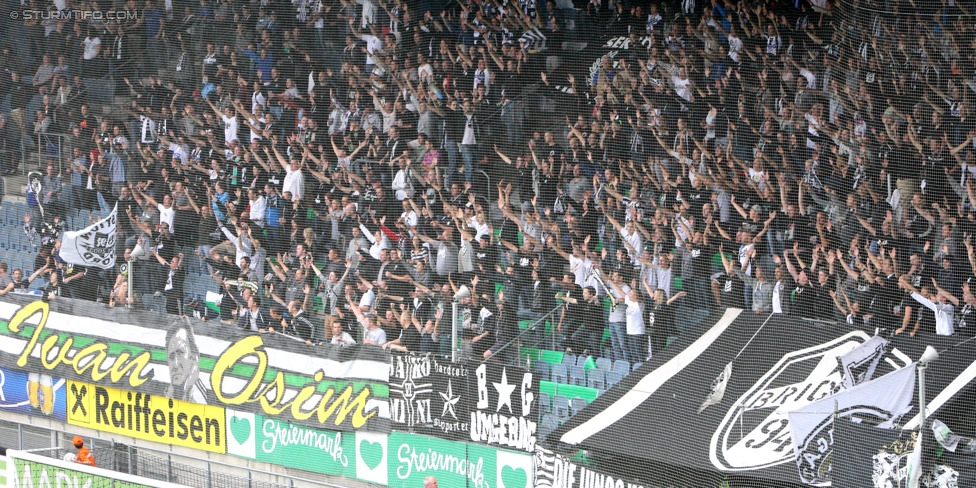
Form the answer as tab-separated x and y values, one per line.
362	161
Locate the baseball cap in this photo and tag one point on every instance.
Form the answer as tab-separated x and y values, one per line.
77	440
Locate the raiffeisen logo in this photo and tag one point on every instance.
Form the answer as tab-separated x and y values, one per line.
755	433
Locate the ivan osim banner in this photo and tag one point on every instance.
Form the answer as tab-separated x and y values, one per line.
327	387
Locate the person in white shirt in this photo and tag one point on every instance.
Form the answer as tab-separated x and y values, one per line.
341	337
294	183
166	211
257	208
401	182
230	121
372	334
636	339
937	303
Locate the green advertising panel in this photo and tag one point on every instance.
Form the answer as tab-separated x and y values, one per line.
30	474
414	457
268	440
398	460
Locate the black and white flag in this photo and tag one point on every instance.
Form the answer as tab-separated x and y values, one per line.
533	40
877	402
93	246
859	364
869	456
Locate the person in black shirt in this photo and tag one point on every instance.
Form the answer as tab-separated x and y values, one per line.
506	330
299	325
410	332
584	321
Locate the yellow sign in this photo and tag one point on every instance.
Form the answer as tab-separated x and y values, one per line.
150	417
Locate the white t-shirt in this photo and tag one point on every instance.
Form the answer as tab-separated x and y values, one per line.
166	215
91	47
295	183
635	317
257	210
373	44
230	128
367	299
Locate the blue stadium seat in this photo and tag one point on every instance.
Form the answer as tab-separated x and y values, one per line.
560	407
541	368
577	376
622	365
596	378
569	359
559	374
614	377
545	403
604	363
576	405
581	360
636	365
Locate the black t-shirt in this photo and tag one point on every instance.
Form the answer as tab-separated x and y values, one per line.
410	338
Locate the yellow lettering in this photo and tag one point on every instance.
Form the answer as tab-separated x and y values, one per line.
272	395
20	317
241	349
123	365
49	344
357	407
89	358
271	407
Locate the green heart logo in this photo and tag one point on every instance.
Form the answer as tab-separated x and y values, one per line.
240	428
371	453
513	477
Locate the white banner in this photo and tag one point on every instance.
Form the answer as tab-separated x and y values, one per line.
876	402
859	364
93	246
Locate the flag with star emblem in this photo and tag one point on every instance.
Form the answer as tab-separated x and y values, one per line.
427	395
504	406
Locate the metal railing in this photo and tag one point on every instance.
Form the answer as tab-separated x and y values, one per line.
50	146
530	338
155	464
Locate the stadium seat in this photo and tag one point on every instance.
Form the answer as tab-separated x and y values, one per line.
636	365
577	376
560	407
604	364
622	365
576	405
541	368
581	360
596	378
548	424
545	403
559	374
614	377
569	359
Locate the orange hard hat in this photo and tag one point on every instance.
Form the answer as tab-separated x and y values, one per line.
77	440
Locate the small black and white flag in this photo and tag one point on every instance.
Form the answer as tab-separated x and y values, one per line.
533	40
859	364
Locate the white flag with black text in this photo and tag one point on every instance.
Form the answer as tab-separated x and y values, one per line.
93	246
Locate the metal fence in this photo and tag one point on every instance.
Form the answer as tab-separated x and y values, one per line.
156	464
